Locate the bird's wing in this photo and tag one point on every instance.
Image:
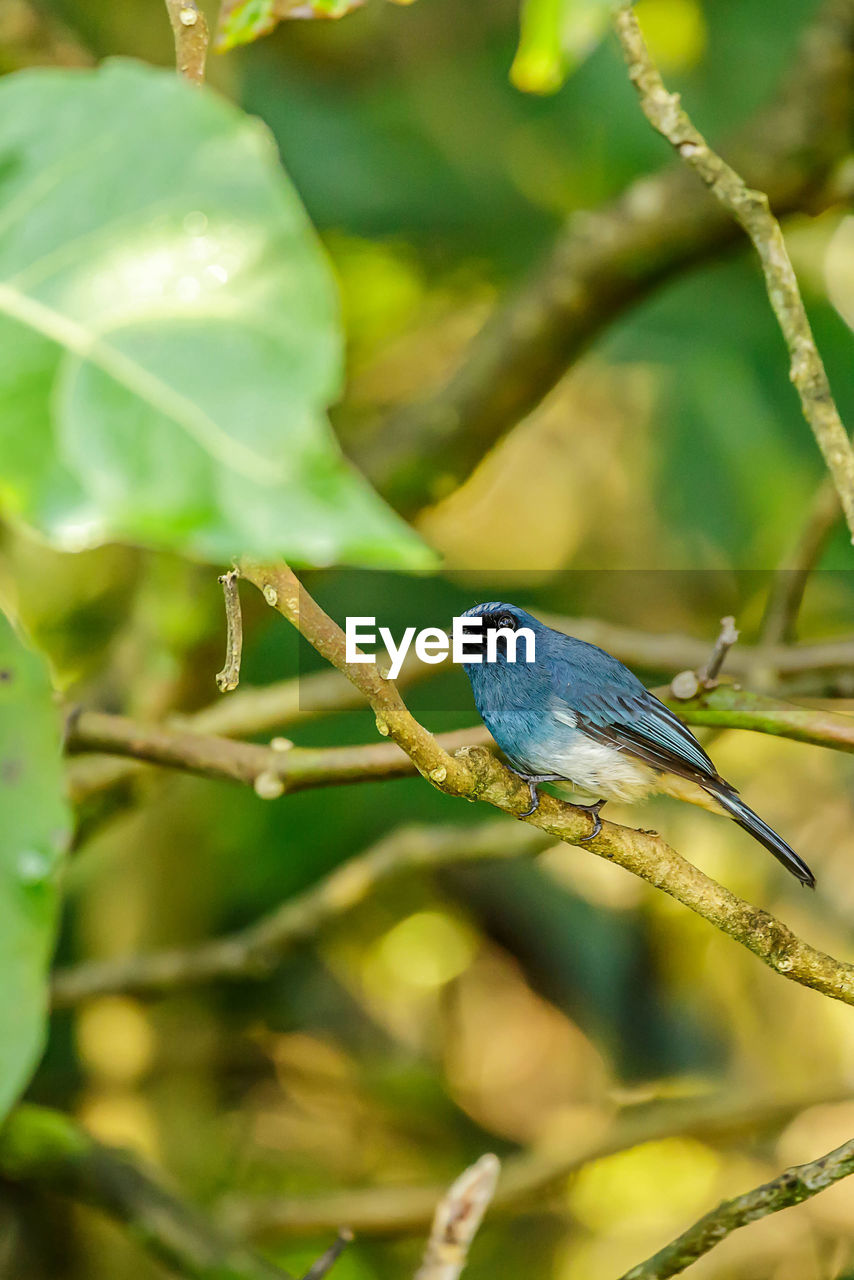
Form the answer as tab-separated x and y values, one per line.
621	713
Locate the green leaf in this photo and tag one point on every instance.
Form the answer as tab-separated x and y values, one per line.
33	836
242	21
169	331
555	36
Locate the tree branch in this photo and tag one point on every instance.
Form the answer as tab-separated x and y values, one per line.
752	210
793	1186
45	1149
283	768
283	592
473	773
672	652
607	260
527	1178
250	711
457	1219
293	702
191	38
272	770
728	707
790	580
255	951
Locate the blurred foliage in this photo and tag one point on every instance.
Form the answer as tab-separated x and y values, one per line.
501	1007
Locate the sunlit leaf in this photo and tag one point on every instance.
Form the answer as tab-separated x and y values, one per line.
33	835
169	330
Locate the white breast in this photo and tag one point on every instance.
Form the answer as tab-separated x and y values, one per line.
603	771
600	770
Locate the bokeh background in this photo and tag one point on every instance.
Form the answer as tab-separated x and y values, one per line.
532	1008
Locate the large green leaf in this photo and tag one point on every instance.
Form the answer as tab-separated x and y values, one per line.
33	834
169	330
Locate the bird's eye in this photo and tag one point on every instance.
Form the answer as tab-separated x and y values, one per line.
507	622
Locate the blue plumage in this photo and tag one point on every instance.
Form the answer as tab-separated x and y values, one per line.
578	715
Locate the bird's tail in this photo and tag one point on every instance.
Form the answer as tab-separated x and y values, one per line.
750	821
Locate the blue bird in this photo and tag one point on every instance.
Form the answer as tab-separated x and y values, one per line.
577	715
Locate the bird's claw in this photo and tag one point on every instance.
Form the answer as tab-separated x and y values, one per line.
535	801
593	810
532	781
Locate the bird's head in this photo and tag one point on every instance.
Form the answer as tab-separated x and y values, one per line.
511	693
498	617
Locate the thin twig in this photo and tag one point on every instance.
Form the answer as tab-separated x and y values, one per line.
229	677
796	1184
47	1149
752	210
687	684
790	580
727	637
458	1216
326	1261
190	30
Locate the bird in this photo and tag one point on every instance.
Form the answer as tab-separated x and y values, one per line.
577	715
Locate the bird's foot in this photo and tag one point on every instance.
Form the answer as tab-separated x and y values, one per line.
533	780
593	810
